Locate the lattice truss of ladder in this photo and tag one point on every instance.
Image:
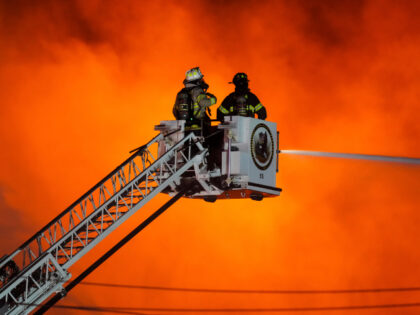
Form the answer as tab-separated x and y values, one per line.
39	267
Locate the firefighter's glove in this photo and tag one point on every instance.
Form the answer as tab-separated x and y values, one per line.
213	98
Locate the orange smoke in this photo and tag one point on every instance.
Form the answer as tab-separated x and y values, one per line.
83	82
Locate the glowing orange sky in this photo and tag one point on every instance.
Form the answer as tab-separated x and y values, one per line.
83	82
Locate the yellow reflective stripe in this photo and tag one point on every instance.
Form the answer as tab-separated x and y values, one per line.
258	107
223	110
196	108
193	127
200	97
251	108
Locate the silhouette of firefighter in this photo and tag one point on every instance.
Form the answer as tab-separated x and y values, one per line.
241	102
193	103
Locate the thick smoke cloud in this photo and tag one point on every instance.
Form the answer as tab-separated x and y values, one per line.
83	82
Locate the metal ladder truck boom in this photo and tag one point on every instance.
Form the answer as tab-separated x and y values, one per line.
39	267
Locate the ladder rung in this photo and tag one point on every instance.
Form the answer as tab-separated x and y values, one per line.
74	247
104	221
119	213
89	231
84	238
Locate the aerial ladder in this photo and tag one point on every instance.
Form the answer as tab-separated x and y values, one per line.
40	266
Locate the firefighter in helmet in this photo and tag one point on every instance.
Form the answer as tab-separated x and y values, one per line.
193	102
241	102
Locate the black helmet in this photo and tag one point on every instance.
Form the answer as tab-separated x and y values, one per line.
240	76
241	81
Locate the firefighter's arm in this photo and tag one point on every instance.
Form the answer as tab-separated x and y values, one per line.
175	111
259	108
175	108
261	111
213	98
220	116
205	100
201	101
223	109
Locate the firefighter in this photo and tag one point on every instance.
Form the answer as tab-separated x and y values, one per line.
193	102
242	102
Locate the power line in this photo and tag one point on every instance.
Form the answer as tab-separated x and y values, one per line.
136	310
244	291
262	310
105	309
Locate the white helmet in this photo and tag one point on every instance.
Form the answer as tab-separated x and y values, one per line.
193	74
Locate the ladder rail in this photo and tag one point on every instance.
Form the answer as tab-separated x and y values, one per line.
64	256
